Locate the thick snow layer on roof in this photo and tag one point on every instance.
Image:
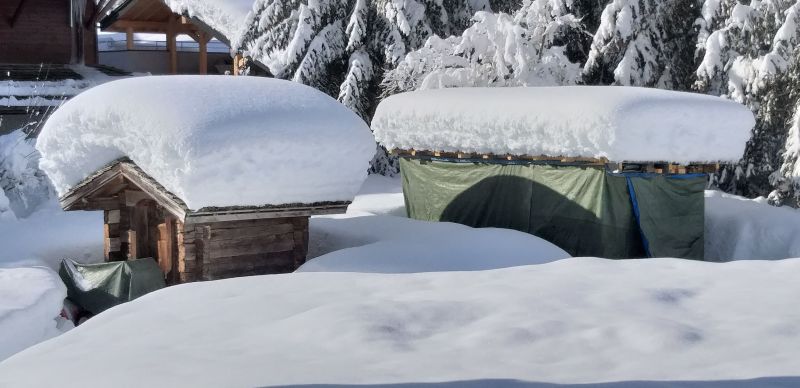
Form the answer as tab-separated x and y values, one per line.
224	16
618	123
213	140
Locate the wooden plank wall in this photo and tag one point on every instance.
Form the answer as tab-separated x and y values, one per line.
239	248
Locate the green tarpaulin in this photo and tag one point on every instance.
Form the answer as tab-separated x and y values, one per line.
586	211
97	287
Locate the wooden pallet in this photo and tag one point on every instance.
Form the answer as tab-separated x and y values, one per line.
497	157
645	167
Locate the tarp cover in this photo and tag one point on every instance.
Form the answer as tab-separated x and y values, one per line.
584	210
97	287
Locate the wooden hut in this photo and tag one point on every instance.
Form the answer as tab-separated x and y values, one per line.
142	219
599	171
219	191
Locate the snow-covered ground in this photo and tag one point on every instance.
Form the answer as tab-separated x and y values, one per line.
749	229
375	236
572	321
30	300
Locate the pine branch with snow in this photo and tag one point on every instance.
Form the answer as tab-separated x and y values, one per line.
643	43
527	49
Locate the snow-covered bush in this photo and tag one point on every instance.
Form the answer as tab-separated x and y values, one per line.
24	186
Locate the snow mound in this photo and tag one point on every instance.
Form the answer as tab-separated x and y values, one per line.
738	228
30	301
571	321
387	244
213	140
618	123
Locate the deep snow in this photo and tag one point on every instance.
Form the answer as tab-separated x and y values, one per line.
571	321
388	244
746	229
618	123
277	142
375	237
30	301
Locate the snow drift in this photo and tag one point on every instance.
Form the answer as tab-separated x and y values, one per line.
213	140
738	228
571	321
388	244
30	301
618	123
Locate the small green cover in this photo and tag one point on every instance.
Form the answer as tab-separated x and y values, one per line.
584	210
98	287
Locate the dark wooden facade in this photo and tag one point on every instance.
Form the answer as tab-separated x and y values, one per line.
44	31
142	219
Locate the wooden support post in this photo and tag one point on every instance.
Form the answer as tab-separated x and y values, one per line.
172	46
236	60
129	38
203	52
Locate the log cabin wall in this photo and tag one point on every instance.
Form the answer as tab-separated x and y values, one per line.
137	227
217	250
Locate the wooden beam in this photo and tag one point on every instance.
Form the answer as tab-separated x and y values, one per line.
172	46
141	26
203	53
154	192
129	38
258	214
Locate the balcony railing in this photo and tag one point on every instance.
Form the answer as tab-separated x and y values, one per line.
108	45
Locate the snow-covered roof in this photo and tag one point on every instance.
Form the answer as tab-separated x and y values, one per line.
613	122
213	141
227	17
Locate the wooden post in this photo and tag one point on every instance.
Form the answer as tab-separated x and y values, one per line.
203	54
172	46
129	38
236	61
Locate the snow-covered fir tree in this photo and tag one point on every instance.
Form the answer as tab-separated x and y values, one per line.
644	43
751	58
788	182
361	50
543	43
343	47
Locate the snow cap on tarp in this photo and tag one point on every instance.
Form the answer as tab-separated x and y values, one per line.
613	122
213	140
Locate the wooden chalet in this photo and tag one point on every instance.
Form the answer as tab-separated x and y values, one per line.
142	219
132	16
154	16
47	32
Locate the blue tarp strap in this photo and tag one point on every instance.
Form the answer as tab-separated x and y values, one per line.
635	204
